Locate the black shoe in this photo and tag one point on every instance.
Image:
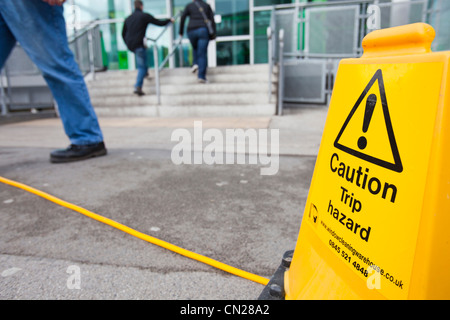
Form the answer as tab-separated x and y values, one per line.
139	92
78	152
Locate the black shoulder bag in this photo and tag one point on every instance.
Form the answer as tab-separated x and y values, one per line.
212	34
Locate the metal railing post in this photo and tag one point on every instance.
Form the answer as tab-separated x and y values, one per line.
280	73
91	54
156	63
3	96
180	54
270	59
156	60
8	88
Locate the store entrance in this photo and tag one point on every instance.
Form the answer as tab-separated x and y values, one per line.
232	45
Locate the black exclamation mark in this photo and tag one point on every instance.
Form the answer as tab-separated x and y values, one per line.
370	106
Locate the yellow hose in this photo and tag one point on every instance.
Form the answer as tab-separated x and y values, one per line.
137	234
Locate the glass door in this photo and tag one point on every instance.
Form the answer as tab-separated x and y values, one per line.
185	58
233	32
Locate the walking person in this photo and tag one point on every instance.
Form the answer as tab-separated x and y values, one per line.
133	33
40	28
199	35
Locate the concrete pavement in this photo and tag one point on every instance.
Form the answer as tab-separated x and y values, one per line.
230	213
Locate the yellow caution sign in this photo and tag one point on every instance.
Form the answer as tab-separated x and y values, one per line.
377	220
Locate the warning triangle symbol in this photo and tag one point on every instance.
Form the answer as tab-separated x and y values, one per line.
367	106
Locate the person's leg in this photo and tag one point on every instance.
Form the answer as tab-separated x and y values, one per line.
40	29
202	53
193	39
7	41
141	66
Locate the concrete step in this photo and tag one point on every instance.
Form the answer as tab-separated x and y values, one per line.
230	91
240	69
188	78
187	111
219	99
191	88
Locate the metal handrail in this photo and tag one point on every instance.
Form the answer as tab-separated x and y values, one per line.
91	25
308	5
171	53
88	29
314	4
175	18
159	67
277	59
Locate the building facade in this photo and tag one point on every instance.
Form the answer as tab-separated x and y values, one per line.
241	26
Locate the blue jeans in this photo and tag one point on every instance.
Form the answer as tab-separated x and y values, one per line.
141	65
199	39
41	31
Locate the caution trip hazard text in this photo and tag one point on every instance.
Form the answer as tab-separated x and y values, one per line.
358	177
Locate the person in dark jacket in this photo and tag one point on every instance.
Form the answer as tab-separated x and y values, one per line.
198	34
133	33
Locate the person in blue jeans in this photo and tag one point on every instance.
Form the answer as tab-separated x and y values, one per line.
133	34
142	67
40	28
198	35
